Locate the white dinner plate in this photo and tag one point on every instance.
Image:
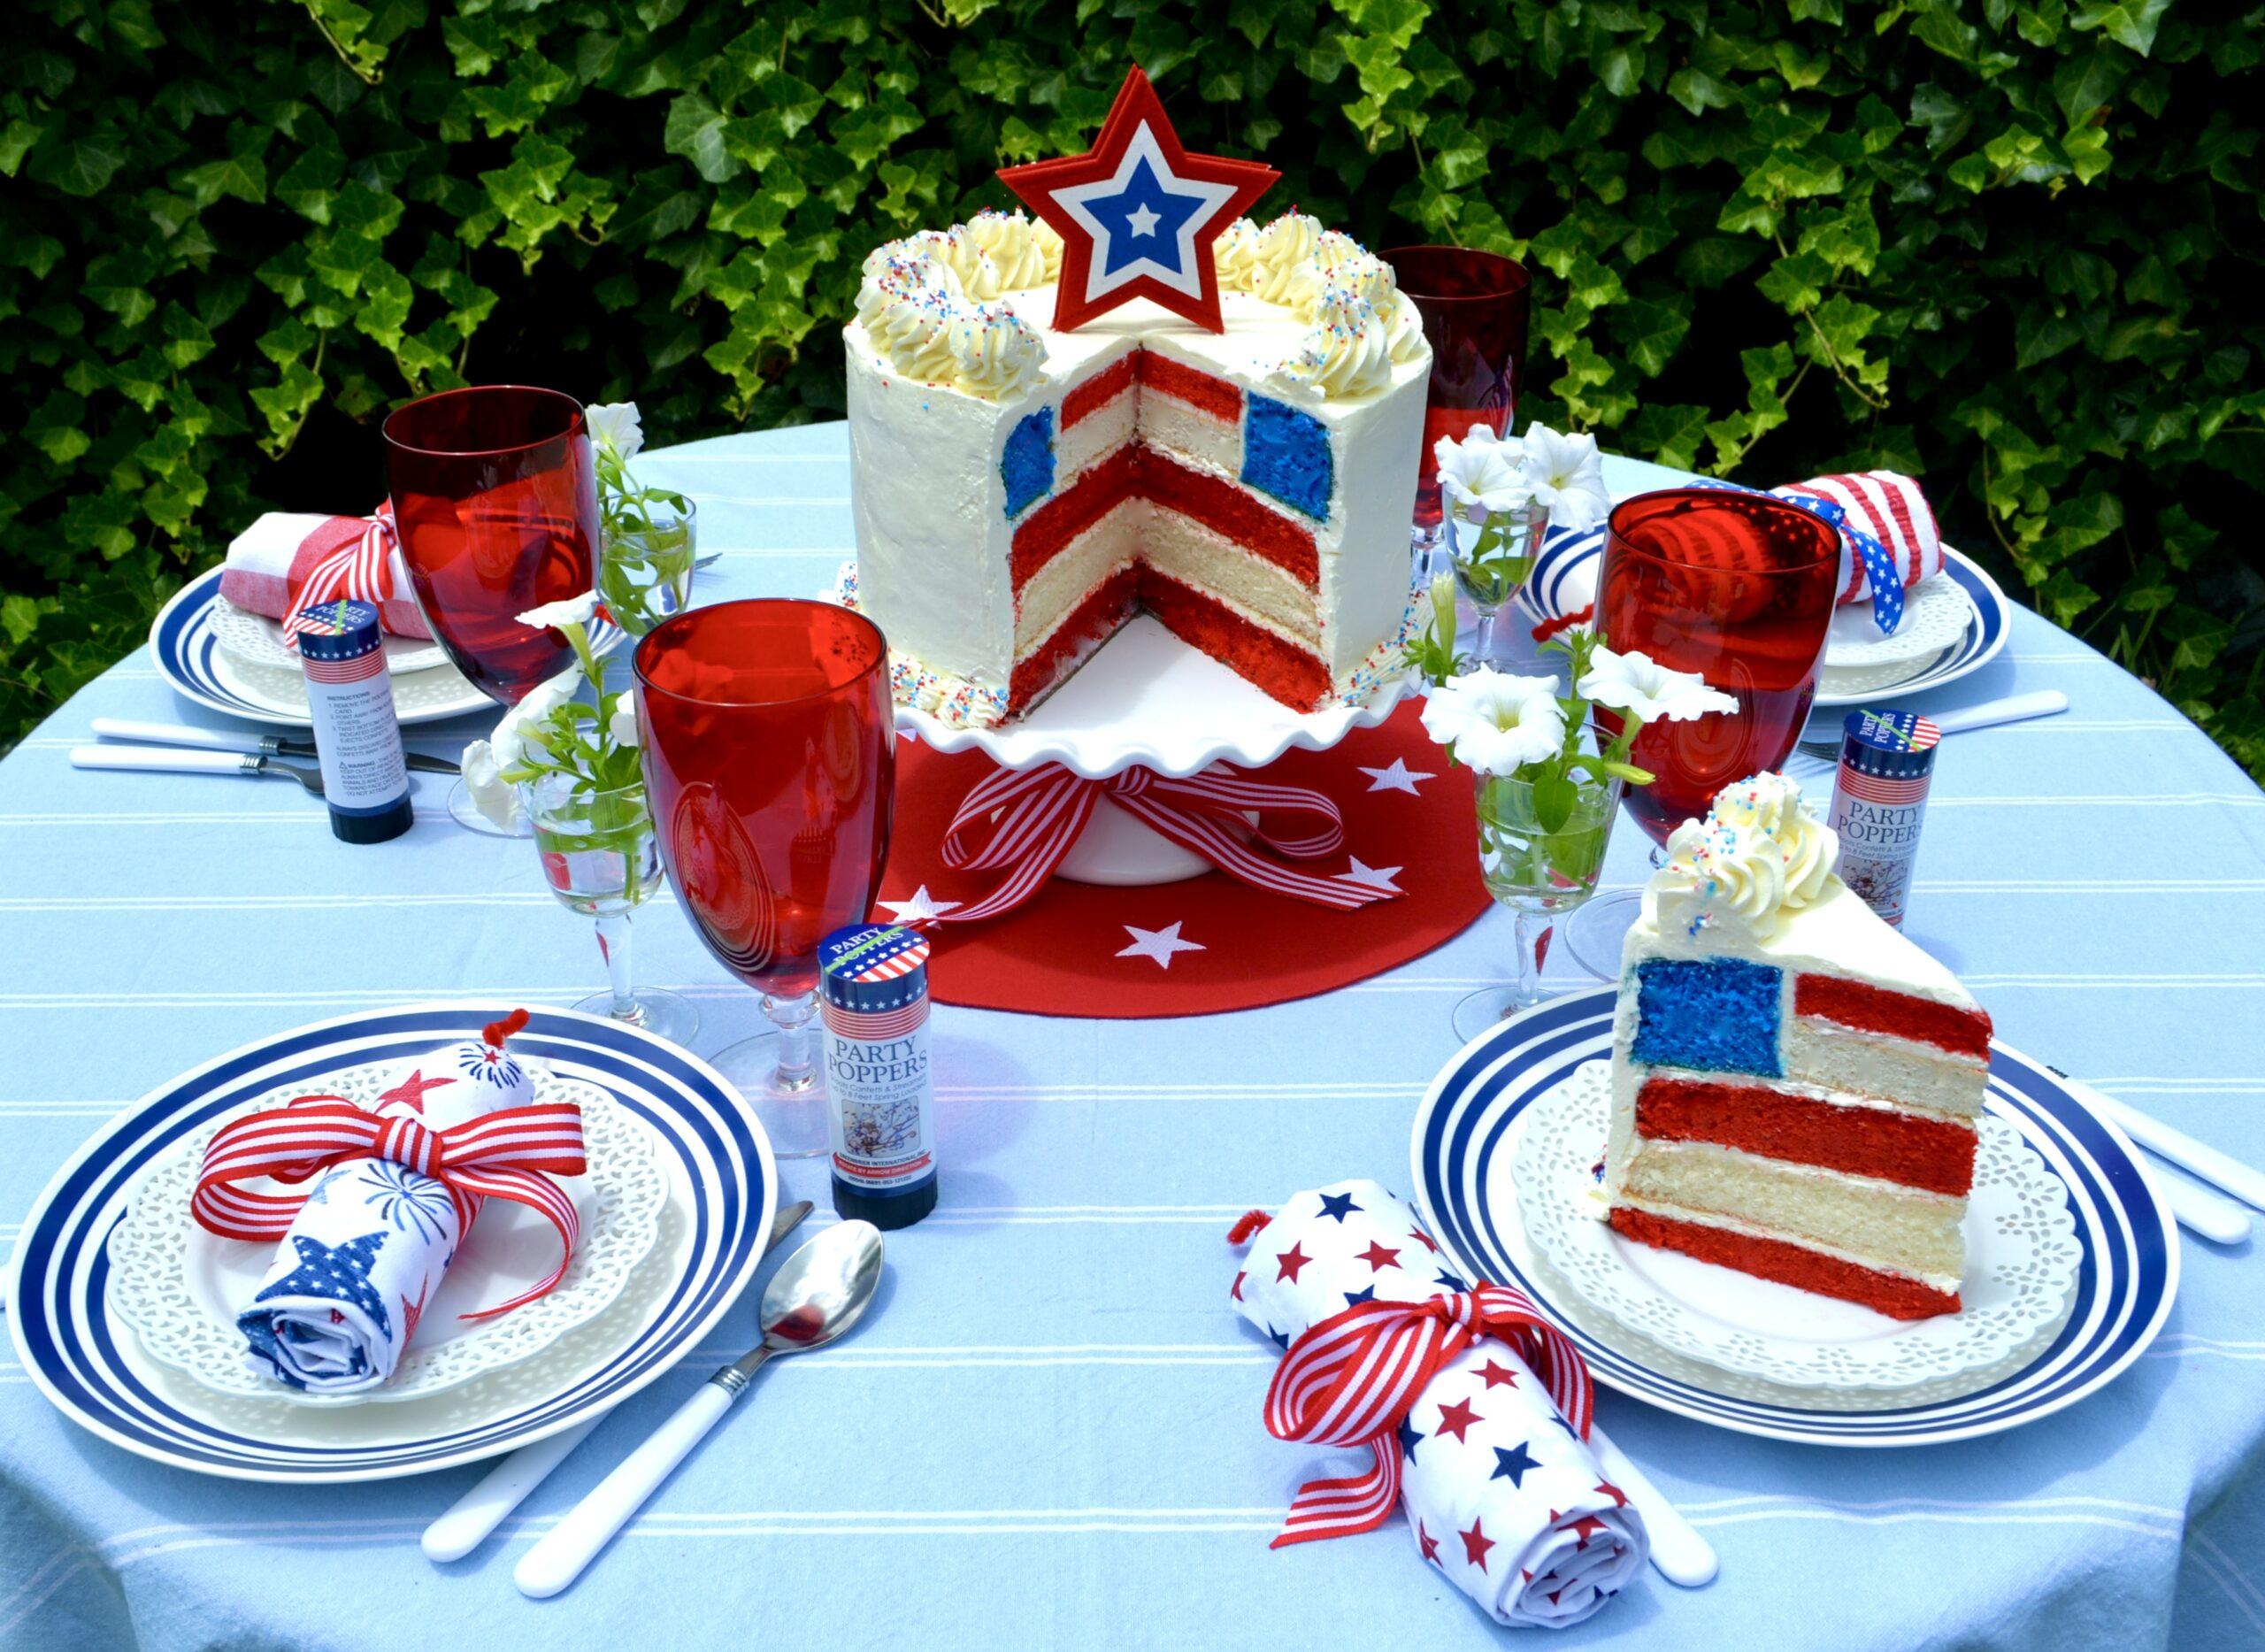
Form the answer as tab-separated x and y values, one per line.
255	640
1464	1148
723	1188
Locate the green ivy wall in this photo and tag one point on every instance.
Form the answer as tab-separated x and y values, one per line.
2012	247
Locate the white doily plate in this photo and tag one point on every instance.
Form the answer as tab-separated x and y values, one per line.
2021	1265
252	638
1147	699
1936	612
180	1286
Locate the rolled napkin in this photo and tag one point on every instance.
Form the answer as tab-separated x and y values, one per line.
1477	1410
286	562
394	1188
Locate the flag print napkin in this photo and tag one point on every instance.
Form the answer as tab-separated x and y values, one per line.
364	1253
1501	1493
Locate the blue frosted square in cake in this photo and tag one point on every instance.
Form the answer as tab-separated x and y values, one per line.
1286	453
1026	463
1715	1014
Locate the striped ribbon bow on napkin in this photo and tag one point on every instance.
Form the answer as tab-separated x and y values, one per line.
1475	1410
511	1153
1024	821
1352	1380
285	565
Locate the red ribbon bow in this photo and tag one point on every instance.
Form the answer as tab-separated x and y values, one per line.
1040	811
356	565
1352	1380
511	1154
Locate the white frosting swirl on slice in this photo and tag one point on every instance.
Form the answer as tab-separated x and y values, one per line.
1756	857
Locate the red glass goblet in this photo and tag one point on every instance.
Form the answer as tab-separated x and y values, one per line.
495	499
770	758
1475	310
1739	588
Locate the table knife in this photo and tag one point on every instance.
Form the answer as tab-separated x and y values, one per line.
2215	1219
1683	1556
240	740
469	1520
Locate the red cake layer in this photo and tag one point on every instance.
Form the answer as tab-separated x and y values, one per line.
1932	1154
1050	527
1198	389
1100	390
1136	472
1890	1294
1869	1009
1297	679
1230	512
1090	624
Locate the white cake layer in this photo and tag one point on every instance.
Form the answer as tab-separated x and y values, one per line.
1194	555
930	503
1094	438
1808	1092
1882	1065
1880	1224
1192	436
1671	1211
1055	591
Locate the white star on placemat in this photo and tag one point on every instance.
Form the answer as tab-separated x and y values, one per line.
1159	944
1372	876
920	908
1398	777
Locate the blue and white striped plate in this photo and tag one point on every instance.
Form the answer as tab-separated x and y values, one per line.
1465	1140
1564	578
187	655
86	1360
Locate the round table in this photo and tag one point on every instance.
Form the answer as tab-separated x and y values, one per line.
1050	1431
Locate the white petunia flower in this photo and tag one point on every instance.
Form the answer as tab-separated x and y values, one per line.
1566	475
493	796
1479	476
526	723
1495	723
1636	683
574	610
623	723
616	425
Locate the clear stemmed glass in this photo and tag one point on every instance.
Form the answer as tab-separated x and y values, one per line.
1488	583
768	743
1739	588
601	859
495	497
646	573
1539	875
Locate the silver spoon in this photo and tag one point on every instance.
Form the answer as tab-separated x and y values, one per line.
817	1294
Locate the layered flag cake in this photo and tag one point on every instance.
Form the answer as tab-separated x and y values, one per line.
1021	493
1795	1085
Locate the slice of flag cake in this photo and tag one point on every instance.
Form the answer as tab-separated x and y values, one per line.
1795	1085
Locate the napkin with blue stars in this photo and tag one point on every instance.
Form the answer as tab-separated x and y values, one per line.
1502	1497
364	1255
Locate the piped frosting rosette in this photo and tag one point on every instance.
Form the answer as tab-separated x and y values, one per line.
1488	1454
367	1235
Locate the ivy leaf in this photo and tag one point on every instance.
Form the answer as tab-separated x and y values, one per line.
77	166
2129	23
695	131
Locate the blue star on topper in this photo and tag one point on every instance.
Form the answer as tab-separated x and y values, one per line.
1137	213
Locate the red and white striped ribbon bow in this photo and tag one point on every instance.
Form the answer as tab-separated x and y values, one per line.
1024	821
512	1154
358	568
1351	1380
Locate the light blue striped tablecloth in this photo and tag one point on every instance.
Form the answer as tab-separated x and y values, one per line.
1051	1436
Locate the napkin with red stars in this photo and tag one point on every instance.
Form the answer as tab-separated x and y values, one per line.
1500	1494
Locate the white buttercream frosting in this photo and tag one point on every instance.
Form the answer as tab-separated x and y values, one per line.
1757	856
930	304
1348	351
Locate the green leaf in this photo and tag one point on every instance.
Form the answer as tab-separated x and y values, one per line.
695	131
77	166
2129	23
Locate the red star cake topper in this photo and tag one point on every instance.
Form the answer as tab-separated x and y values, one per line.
1137	213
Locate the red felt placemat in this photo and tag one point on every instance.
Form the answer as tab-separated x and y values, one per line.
1210	943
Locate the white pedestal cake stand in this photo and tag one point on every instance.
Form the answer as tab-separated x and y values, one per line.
1148	700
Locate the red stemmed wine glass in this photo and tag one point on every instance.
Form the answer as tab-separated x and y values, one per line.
1474	307
1739	588
770	757
495	497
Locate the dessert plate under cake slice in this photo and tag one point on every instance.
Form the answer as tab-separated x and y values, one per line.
2022	1259
1468	1137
